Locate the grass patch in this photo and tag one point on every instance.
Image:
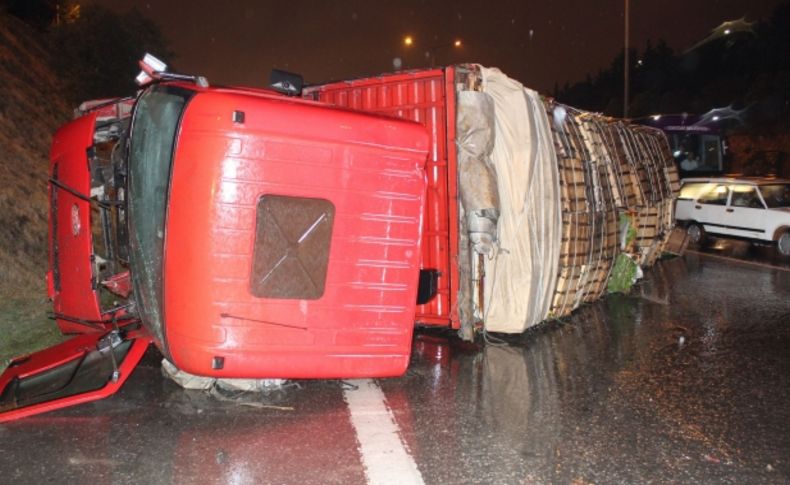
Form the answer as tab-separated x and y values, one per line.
25	327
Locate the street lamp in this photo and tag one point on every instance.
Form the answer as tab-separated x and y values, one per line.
430	52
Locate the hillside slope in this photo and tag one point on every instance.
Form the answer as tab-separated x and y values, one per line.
32	106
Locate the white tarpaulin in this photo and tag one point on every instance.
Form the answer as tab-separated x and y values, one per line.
521	273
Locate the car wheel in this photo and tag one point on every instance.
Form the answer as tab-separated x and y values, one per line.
783	244
696	234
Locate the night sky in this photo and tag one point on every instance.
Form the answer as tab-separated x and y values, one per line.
537	42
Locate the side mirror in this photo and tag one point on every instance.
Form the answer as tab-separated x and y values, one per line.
286	82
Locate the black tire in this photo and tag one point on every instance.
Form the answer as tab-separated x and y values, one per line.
783	243
696	234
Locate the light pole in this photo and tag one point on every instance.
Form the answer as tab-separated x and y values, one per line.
408	41
434	49
626	62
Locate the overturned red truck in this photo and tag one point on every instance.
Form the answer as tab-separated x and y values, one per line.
533	207
244	232
251	234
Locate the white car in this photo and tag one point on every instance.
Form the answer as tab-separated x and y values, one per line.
749	208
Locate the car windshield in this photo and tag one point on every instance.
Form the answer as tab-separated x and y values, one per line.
154	126
776	195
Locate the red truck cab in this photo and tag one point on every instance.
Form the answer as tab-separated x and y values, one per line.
245	233
282	238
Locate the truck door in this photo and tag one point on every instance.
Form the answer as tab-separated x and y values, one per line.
84	368
746	214
710	209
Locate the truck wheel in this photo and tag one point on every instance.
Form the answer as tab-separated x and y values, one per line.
783	244
696	234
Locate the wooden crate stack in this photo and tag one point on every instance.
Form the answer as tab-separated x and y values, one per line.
650	184
589	214
607	167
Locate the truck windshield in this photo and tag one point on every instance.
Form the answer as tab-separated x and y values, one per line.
776	195
154	127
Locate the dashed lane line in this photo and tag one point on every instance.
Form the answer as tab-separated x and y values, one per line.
384	455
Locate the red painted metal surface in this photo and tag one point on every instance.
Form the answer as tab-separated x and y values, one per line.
70	277
452	197
370	168
426	97
72	349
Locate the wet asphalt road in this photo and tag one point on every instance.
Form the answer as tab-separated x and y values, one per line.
686	380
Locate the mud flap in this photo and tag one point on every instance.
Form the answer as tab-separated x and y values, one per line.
85	368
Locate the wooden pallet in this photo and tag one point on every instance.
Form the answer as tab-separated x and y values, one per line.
589	212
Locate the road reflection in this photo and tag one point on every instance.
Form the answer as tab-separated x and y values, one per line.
685	379
655	381
764	255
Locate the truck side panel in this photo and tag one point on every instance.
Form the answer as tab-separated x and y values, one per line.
426	97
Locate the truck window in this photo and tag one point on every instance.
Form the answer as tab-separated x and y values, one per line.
745	196
154	126
717	195
776	195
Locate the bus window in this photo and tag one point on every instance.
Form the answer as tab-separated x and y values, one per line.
697	153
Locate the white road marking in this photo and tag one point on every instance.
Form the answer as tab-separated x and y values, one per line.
384	455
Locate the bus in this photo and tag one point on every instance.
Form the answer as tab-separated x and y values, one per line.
697	143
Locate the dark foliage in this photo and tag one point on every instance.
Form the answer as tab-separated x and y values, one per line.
96	55
747	71
38	13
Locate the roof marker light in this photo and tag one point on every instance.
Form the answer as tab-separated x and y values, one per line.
154	69
150	68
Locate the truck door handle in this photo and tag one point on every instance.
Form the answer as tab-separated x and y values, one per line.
730	210
698	207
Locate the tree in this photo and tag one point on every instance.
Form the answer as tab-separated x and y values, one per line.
748	71
96	54
38	13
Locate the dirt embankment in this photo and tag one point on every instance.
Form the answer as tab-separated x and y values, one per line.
32	106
